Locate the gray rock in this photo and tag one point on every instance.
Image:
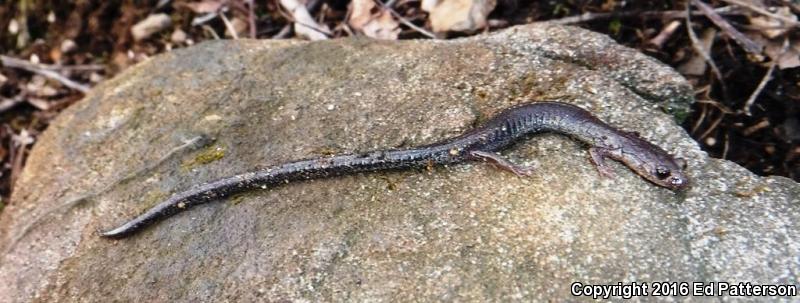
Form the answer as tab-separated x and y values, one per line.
464	232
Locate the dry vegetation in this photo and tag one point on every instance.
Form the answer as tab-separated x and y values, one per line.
740	55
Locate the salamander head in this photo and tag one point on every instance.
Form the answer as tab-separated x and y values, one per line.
661	168
669	174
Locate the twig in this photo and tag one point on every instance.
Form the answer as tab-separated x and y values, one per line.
251	17
229	26
200	20
194	143
699	48
722	108
747	44
761	85
34	68
699	120
292	26
9	103
406	22
712	127
284	32
211	31
672	14
57	67
304	24
765	79
764	12
725	146
77	67
658	40
756	127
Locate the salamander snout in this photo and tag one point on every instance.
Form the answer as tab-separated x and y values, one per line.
670	174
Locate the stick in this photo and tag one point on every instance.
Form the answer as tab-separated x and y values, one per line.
35	68
647	14
251	17
764	12
747	44
759	88
765	79
658	40
699	48
304	24
229	26
9	103
406	22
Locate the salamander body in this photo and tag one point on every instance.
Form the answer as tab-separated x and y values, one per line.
481	143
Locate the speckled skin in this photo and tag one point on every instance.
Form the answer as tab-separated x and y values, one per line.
646	159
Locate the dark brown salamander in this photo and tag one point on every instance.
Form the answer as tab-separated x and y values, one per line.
644	158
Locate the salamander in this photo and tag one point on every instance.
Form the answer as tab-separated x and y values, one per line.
479	144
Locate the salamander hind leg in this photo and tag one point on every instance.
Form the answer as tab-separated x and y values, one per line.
598	156
499	161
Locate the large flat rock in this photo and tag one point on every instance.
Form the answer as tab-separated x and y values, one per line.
463	232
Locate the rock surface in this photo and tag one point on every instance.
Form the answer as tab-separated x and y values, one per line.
464	232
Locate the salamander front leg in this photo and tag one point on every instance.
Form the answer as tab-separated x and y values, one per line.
499	161
598	158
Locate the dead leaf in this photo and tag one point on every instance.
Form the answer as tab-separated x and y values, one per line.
771	27
458	15
304	24
772	32
373	21
791	58
205	6
787	56
696	66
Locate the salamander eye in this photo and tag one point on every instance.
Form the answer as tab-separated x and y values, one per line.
662	172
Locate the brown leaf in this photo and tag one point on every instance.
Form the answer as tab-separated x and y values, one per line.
790	59
746	43
771	27
205	6
373	21
696	66
458	15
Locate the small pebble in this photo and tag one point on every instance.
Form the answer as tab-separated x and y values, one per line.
331	107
